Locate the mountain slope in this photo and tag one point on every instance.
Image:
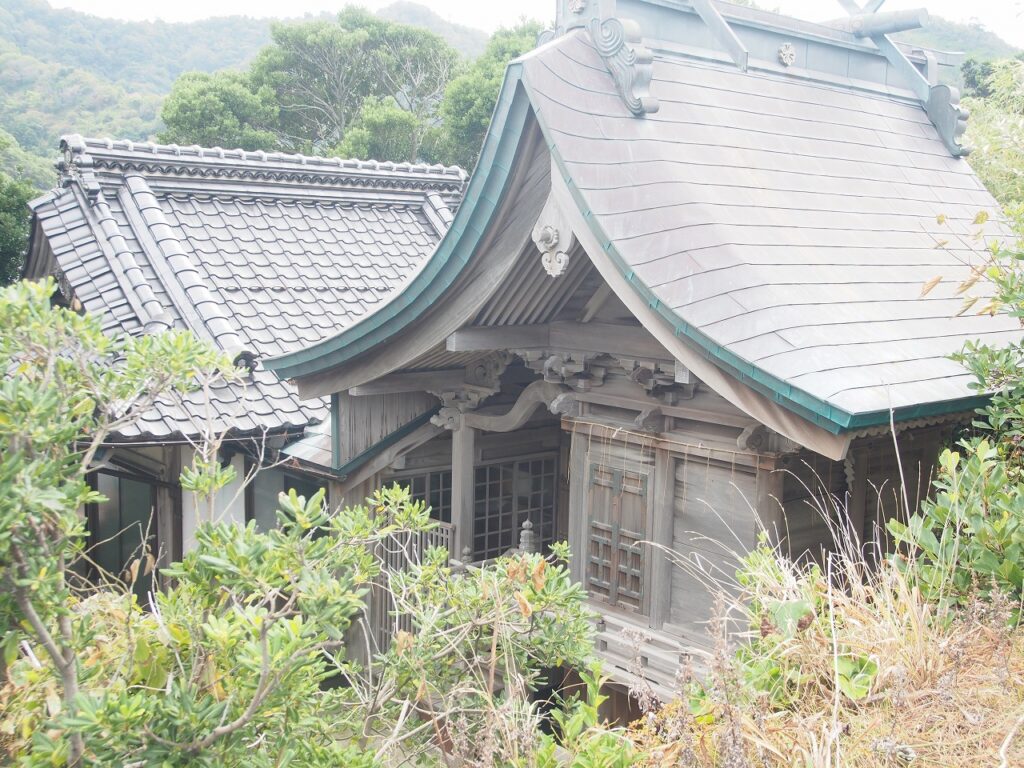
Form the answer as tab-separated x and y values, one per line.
146	55
466	40
974	40
62	71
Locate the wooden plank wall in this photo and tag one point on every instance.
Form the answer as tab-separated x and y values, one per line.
716	522
814	492
883	487
368	419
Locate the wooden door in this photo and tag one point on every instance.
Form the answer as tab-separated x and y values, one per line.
617	523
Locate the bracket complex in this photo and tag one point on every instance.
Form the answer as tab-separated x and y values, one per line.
620	43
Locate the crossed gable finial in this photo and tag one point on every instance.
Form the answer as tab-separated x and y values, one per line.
940	101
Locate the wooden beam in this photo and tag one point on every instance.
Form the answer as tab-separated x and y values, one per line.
629	340
594	303
722	32
640	402
871	24
661	506
414	381
536	394
498	337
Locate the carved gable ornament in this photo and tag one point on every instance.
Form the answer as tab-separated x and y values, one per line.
620	43
554	238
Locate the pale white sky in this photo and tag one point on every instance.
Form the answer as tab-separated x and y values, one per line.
1006	17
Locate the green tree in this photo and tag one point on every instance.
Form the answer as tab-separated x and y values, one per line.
14	224
414	67
318	72
381	131
222	109
470	98
996	132
67	387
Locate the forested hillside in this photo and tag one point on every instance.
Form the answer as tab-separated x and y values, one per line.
974	40
62	71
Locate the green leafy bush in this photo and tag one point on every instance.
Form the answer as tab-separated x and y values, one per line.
971	536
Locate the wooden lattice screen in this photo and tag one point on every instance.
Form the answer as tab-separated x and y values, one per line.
617	526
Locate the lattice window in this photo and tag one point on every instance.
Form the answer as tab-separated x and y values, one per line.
506	495
617	513
434	488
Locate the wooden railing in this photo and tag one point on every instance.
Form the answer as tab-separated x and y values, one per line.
397	553
638	656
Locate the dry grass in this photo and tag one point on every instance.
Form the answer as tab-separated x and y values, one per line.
941	690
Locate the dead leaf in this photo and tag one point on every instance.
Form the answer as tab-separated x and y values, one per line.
941	218
670	757
539	576
524	605
930	285
981	218
968	303
403	641
967	284
53	704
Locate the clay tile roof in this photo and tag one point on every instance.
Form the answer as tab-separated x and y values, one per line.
261	253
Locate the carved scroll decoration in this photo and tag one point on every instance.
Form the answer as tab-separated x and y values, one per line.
948	117
618	41
554	238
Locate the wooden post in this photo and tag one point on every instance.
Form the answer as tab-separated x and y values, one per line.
463	486
662	509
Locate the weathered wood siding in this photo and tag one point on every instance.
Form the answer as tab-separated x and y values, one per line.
814	496
872	486
368	419
714	505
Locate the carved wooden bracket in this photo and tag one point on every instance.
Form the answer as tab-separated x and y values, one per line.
760	439
554	238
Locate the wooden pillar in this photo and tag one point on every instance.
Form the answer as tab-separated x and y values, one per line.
463	487
769	484
856	468
662	509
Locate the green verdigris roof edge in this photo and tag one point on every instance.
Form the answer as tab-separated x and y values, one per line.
486	189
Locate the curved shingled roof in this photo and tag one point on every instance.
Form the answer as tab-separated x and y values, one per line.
781	220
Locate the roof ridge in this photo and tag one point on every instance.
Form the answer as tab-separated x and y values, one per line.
186	273
76	146
153	314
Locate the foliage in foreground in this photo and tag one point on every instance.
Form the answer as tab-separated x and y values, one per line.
851	666
243	657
